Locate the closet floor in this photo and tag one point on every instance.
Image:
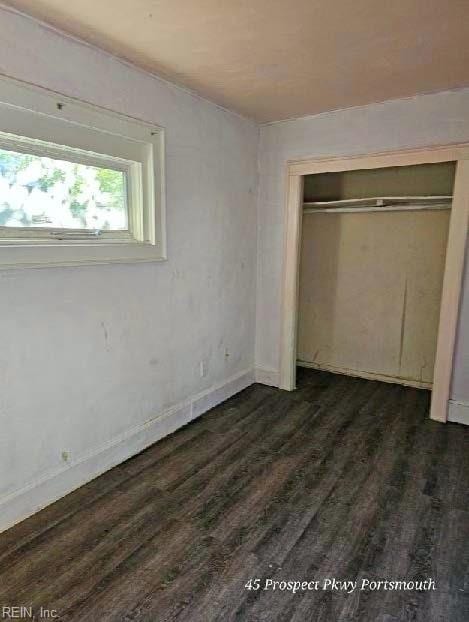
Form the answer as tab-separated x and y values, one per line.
343	479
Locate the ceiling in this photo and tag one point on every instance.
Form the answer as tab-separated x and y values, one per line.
277	59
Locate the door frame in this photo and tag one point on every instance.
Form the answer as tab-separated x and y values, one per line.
454	262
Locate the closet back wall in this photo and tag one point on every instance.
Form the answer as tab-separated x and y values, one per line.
370	290
371	282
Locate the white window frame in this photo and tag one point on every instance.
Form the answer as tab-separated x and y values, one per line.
36	121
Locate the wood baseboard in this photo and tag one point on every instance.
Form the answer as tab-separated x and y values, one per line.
458	412
263	375
19	504
367	375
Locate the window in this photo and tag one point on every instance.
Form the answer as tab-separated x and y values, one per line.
58	197
77	184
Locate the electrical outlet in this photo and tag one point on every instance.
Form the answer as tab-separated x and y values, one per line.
203	368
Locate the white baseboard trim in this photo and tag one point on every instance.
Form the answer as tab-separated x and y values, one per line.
22	503
267	376
458	412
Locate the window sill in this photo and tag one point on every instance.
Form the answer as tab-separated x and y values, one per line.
76	253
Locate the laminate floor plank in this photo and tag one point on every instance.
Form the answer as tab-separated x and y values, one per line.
343	478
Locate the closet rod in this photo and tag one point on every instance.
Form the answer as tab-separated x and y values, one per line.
381	209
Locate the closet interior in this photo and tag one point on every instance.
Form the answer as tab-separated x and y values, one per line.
371	271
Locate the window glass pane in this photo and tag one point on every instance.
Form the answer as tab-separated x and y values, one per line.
37	191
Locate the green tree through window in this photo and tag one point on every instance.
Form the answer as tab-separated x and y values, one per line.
38	191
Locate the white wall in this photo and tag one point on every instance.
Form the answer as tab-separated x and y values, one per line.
459	405
90	357
417	122
460	388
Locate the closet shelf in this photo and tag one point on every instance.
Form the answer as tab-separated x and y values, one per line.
379	204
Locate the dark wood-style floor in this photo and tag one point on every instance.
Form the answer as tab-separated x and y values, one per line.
344	478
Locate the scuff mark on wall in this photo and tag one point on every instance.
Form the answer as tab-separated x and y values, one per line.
106	335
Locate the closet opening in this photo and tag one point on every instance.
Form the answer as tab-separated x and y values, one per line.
373	263
372	259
